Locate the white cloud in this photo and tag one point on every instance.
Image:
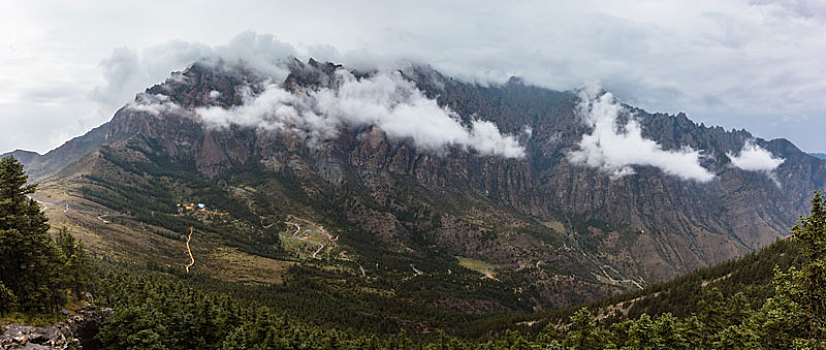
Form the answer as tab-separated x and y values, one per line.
128	72
261	52
617	148
735	63
755	158
385	100
155	104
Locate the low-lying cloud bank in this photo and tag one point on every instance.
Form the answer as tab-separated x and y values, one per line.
385	100
615	148
755	158
155	104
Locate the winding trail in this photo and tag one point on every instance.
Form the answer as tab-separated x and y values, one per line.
297	227
318	250
597	263
39	201
304	235
189	250
101	218
96	213
611	279
261	218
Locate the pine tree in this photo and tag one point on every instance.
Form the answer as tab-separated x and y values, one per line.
29	259
795	317
7	299
75	274
810	232
583	333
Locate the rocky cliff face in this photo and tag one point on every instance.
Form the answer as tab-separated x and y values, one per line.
648	226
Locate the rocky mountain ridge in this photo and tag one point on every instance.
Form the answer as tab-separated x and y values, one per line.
464	199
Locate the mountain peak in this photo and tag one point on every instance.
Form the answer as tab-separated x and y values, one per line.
405	142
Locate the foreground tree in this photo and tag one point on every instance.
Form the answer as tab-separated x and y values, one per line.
811	279
32	266
795	317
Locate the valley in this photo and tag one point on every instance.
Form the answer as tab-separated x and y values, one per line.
391	175
367	229
367	205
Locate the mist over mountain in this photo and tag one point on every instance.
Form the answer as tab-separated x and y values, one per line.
512	174
393	175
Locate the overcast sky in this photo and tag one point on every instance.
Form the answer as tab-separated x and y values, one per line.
66	66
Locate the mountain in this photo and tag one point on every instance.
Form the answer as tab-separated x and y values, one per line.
507	187
818	155
39	166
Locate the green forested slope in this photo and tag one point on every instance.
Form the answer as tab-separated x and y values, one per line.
771	299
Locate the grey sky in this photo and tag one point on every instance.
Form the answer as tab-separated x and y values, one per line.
66	66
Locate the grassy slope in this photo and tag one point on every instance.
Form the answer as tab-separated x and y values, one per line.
123	206
329	287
